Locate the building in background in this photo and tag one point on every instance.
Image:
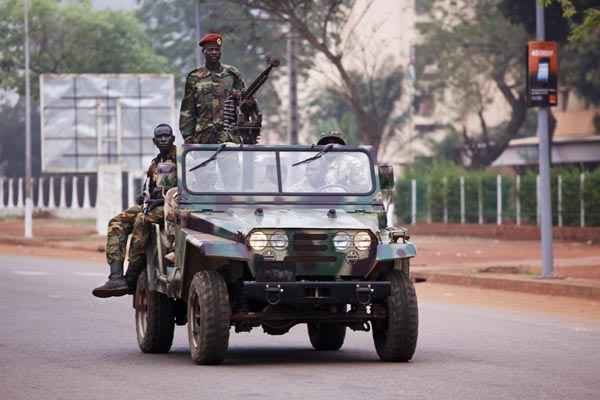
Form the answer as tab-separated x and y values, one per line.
576	140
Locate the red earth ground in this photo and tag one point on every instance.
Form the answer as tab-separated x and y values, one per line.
572	259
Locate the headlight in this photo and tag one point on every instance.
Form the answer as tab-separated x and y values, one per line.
258	241
341	241
362	241
279	241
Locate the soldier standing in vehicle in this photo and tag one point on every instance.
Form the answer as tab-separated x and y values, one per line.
206	89
161	176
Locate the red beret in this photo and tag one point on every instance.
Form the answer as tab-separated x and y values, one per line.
211	38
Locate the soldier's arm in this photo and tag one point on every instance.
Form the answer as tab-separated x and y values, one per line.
238	81
187	115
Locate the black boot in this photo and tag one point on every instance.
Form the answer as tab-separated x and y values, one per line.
132	275
116	285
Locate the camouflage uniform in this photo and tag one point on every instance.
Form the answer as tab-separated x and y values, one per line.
158	181
119	229
125	222
201	116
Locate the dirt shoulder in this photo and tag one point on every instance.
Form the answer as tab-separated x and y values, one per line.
570	308
484	263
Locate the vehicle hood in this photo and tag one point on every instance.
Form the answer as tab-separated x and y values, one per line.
242	221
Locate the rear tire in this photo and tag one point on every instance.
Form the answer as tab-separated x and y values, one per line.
326	336
154	318
396	339
209	317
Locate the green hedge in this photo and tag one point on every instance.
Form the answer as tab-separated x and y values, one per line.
439	184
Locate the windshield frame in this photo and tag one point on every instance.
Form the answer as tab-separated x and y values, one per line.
277	149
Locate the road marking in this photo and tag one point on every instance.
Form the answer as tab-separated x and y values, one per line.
31	273
582	329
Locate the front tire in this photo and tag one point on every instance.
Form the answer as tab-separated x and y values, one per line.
396	338
209	315
154	318
326	337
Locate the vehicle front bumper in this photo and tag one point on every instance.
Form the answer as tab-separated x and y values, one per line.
317	292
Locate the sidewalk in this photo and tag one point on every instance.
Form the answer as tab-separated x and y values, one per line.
477	262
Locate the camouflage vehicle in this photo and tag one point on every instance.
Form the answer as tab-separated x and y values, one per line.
274	236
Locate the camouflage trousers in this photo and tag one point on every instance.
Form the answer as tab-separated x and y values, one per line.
130	221
211	135
119	229
139	235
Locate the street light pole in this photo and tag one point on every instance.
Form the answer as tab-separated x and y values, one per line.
28	188
198	33
293	87
544	165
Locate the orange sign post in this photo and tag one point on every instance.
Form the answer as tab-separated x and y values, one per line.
542	74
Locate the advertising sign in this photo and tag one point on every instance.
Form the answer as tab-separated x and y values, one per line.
542	74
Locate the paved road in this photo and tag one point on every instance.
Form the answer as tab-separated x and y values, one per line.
59	342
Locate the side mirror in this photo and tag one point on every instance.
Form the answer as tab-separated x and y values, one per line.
386	177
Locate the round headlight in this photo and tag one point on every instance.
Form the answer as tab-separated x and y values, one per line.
258	241
279	240
341	241
362	241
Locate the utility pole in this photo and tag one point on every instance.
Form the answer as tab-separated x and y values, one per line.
198	33
28	188
544	163
293	86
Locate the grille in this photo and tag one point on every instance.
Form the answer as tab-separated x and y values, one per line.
310	244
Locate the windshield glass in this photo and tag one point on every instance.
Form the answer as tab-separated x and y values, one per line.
261	172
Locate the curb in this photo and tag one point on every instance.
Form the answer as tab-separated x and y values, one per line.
579	288
568	287
45	243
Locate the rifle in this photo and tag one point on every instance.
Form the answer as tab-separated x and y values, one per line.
246	123
149	203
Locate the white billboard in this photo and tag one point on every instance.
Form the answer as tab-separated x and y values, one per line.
93	119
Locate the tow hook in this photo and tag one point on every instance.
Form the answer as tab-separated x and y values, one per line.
364	294
273	294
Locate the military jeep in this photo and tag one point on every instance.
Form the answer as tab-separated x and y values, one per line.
272	237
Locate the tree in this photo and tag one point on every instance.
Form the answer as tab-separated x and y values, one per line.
64	38
583	17
575	25
71	38
327	26
478	54
248	42
381	89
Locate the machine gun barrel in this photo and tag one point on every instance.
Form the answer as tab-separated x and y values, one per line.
259	81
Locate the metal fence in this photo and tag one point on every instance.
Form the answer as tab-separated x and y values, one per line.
63	196
498	199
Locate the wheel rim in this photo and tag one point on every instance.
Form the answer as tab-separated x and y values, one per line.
194	320
141	311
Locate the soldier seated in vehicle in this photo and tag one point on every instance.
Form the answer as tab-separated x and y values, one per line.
161	176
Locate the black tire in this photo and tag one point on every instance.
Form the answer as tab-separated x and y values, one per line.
396	339
209	317
325	336
154	318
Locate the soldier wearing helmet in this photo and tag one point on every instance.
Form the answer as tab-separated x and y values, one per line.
335	137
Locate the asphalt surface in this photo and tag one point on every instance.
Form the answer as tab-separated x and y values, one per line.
59	342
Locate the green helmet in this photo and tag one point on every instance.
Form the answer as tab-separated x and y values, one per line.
335	137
